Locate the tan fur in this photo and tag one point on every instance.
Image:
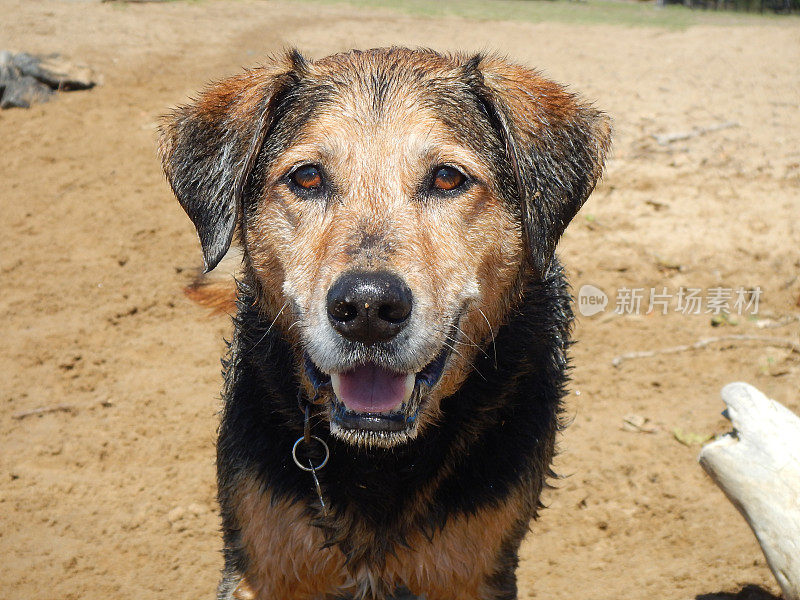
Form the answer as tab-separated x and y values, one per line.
466	243
216	290
456	562
471	242
292	565
218	296
522	88
235	97
465	252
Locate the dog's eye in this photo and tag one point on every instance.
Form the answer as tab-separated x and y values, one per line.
447	179
307	178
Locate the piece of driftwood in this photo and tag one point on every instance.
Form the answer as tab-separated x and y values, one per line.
26	79
18	89
43	410
665	139
787	343
758	468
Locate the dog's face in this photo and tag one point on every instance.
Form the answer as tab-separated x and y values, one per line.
390	203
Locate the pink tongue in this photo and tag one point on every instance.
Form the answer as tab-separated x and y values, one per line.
371	389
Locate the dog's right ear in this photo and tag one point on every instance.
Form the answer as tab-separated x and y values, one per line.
555	143
208	148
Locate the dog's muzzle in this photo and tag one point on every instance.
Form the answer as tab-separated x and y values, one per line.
372	405
369	402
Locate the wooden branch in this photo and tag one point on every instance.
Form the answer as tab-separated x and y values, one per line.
42	410
758	468
664	139
770	341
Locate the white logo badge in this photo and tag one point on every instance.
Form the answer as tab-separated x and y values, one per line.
591	300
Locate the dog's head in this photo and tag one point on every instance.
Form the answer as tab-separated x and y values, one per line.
389	204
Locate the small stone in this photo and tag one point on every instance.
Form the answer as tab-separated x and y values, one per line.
176	514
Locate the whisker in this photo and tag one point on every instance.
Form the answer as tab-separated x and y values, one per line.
261	339
491	330
472	342
470	363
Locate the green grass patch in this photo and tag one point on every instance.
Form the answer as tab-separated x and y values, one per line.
564	11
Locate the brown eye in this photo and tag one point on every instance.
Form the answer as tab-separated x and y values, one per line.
446	179
307	177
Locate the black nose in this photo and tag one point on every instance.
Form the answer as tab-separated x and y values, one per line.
369	307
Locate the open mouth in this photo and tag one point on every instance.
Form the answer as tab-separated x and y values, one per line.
371	398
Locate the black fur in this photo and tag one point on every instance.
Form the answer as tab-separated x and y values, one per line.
497	433
212	157
546	173
553	168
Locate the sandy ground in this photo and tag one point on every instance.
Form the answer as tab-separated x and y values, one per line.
115	498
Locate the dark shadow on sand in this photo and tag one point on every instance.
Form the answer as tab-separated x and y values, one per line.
748	592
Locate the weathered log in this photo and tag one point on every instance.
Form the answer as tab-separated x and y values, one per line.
26	79
55	71
17	89
758	468
665	139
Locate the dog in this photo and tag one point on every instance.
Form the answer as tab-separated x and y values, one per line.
394	383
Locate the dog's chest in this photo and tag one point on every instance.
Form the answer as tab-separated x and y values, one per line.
287	558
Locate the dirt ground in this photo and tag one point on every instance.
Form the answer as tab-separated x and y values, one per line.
114	496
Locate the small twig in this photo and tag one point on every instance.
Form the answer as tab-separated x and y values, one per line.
665	139
774	321
770	341
42	410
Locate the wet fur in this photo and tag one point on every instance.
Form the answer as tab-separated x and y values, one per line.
444	513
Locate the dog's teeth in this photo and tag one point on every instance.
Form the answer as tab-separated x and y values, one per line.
336	382
411	380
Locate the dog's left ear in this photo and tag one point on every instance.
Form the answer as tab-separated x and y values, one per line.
556	147
208	148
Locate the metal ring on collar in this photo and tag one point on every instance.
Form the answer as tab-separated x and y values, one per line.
320	465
